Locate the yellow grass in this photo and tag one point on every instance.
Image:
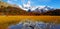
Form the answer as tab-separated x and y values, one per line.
7	20
18	18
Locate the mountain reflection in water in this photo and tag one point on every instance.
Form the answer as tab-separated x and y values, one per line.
34	25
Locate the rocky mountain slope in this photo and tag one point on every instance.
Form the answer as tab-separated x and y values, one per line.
6	9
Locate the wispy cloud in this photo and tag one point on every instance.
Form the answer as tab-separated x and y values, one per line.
9	1
22	0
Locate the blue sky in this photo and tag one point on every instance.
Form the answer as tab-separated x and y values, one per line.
52	3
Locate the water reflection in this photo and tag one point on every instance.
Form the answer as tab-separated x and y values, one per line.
35	25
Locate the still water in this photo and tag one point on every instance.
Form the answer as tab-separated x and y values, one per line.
34	25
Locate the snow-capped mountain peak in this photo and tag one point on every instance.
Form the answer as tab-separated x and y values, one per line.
42	9
37	8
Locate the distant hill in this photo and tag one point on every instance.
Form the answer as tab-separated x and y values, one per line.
8	9
53	13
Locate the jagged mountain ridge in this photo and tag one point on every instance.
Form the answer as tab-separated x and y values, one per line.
43	9
12	10
37	8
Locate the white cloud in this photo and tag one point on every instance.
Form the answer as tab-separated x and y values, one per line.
9	1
